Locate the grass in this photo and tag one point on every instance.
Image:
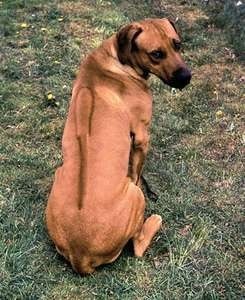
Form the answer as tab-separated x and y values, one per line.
195	162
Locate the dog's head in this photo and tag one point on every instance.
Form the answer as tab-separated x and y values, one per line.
153	46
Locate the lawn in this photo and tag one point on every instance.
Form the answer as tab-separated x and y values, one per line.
195	164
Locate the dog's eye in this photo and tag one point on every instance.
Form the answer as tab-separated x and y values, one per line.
177	45
158	54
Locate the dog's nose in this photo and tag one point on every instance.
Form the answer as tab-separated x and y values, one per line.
181	78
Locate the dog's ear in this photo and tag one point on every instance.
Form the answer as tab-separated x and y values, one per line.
126	41
172	23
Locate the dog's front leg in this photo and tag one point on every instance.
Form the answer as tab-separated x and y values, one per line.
139	148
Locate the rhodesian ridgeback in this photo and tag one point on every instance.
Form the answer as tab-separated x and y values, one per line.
96	204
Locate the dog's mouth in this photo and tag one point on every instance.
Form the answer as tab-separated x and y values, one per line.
177	85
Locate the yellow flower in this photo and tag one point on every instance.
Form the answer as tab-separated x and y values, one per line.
44	29
50	96
219	114
60	19
23	25
51	99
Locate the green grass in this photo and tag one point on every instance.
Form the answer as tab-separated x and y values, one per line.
195	161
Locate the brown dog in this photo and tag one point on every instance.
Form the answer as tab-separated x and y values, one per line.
96	205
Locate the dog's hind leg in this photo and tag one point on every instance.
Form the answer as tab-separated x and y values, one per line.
144	230
142	238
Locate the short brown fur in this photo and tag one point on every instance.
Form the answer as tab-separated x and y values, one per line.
96	205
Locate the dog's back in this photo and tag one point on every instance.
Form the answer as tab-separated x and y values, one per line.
93	177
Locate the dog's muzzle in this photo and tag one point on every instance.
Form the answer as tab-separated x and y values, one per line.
180	78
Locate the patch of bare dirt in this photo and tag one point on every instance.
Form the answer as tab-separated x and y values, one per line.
223	184
73	8
189	14
77	29
221	148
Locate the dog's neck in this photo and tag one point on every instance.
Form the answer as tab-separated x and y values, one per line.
111	49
